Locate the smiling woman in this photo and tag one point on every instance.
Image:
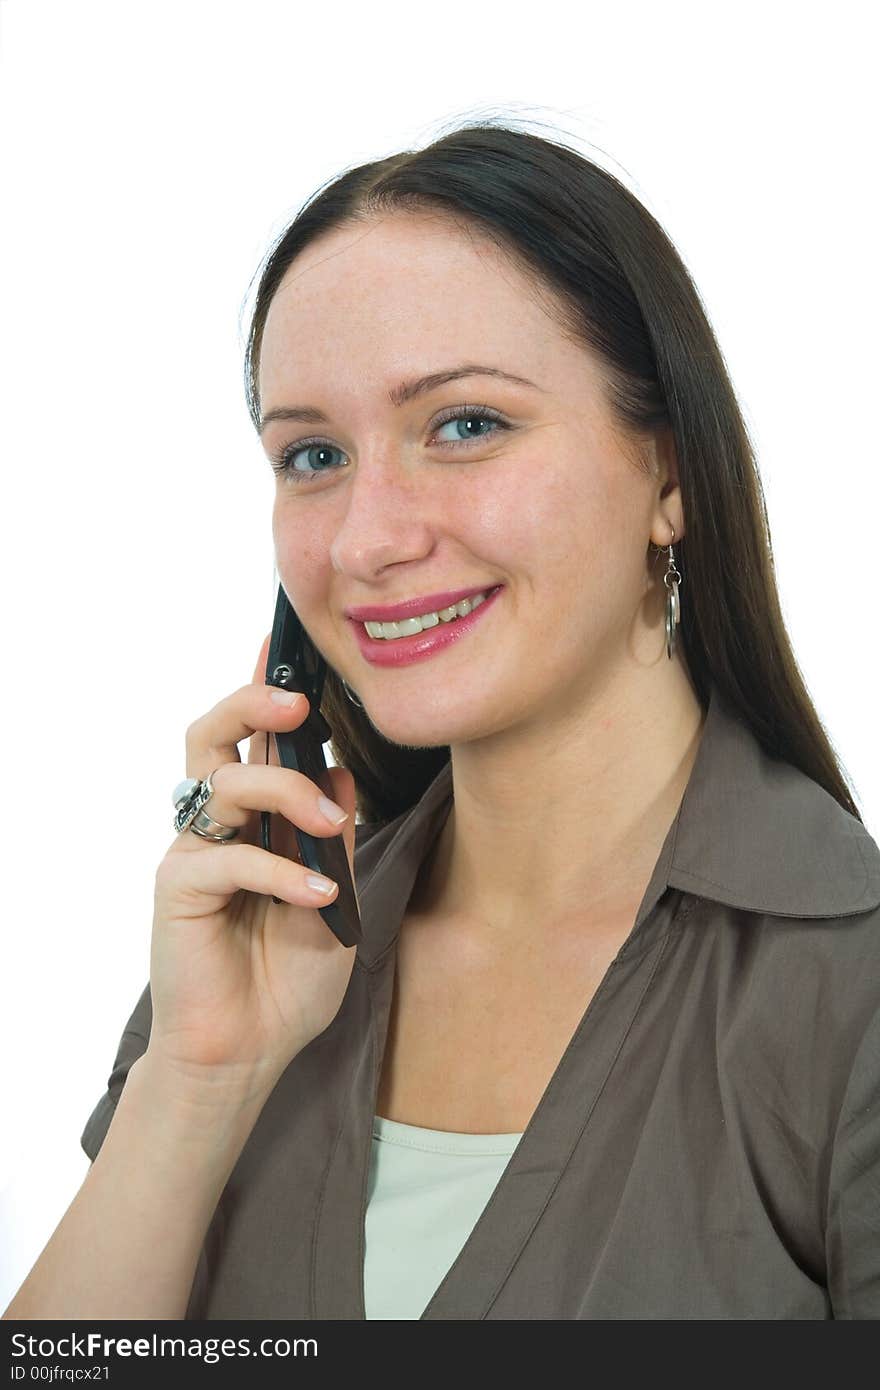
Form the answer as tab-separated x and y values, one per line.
610	1044
585	325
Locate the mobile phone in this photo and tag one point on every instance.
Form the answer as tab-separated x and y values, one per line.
294	663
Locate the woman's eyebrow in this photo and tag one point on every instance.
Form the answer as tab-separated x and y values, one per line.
399	395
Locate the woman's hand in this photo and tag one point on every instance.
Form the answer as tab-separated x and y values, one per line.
240	984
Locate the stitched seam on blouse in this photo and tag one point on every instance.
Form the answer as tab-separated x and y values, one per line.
625	950
682	910
319	1206
832	1150
564	1167
854	835
730	899
374	1039
371	969
640	942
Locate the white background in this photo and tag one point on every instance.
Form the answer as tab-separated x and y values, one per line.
150	154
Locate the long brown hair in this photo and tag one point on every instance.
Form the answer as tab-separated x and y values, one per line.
626	294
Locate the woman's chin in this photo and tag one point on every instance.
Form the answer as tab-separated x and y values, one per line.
436	728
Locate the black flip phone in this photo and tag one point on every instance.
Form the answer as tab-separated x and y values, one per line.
295	664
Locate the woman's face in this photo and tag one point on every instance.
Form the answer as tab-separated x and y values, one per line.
394	503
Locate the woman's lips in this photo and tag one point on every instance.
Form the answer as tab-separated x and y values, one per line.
402	651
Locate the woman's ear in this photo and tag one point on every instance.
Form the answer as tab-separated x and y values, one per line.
670	507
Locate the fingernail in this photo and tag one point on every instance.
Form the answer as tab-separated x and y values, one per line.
334	813
285	697
322	885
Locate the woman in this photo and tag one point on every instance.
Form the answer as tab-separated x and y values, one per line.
609	1047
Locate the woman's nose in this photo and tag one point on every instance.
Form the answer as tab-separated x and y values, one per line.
387	520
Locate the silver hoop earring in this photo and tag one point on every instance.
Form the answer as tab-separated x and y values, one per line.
671	579
351	697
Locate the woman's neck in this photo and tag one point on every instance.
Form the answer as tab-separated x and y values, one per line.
564	821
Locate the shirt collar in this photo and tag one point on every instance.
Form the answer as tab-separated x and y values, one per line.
756	833
751	831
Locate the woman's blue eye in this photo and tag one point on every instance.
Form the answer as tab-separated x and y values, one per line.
316	450
316	455
481	417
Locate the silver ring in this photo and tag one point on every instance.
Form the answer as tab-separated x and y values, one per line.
189	796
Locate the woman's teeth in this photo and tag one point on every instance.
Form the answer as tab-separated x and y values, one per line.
407	627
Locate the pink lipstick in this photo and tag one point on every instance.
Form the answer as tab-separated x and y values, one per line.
402	651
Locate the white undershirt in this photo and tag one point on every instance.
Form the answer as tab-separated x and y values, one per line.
425	1192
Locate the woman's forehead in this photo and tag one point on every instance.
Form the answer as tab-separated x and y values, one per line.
409	302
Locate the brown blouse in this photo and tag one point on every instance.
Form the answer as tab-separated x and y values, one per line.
709	1144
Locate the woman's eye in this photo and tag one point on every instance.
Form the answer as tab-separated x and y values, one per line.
308	458
315	460
470	418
